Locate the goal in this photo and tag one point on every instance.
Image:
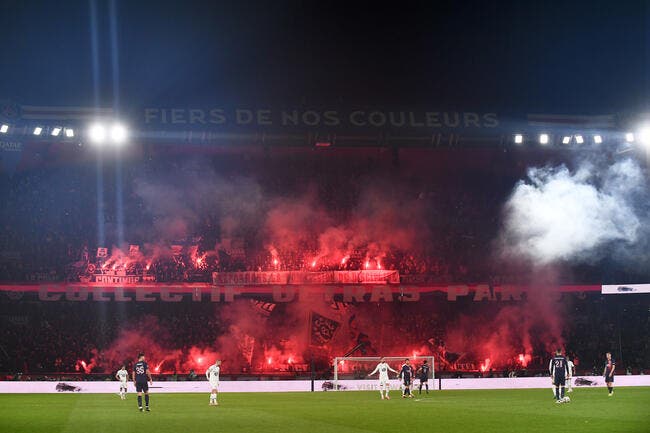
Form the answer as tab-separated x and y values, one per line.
351	372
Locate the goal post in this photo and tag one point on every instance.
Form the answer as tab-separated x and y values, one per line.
350	368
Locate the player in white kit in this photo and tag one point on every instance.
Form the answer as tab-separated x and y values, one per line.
123	376
212	373
569	378
384	384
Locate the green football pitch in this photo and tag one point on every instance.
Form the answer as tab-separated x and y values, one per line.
499	411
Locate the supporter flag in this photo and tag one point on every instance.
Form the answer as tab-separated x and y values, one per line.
339	306
262	308
102	252
245	343
322	329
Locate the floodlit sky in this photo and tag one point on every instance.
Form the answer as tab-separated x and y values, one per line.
506	56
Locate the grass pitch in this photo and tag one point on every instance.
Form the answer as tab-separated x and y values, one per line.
498	411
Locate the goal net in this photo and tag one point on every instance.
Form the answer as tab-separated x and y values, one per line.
351	372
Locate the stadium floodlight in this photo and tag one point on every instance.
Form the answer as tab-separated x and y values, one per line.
69	132
37	130
566	139
579	139
629	137
543	138
55	131
519	138
97	133
4	128
598	139
119	133
644	135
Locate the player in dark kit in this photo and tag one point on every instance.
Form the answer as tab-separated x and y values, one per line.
406	374
423	375
140	375
610	366
559	369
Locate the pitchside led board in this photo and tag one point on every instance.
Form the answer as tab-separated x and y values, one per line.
625	289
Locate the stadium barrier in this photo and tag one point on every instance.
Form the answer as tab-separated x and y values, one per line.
23	387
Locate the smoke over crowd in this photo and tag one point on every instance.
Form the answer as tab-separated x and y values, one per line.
379	219
562	215
385	217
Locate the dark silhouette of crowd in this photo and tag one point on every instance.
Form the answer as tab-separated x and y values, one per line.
54	219
40	338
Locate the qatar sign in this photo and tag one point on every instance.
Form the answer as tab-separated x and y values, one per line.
625	289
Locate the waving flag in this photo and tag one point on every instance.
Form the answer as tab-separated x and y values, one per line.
322	329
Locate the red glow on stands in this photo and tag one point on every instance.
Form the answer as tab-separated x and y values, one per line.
199	360
367	264
378	265
275	262
114	266
313	264
269	361
148	267
486	365
290	360
199	260
415	354
157	369
82	365
524	359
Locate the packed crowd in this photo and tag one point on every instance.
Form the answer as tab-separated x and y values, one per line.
42	337
55	218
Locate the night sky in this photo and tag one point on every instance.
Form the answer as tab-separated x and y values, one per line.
542	56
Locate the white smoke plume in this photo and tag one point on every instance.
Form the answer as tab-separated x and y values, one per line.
561	215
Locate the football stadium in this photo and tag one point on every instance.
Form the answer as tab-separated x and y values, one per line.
325	217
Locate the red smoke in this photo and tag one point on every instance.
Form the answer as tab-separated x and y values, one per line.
493	337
